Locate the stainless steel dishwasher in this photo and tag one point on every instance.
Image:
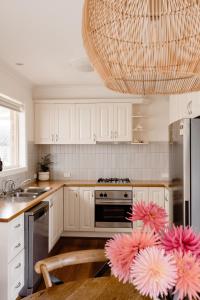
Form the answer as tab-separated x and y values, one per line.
36	244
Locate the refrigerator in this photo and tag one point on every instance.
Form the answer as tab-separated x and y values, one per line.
184	171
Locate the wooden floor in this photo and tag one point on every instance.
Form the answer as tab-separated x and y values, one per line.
78	271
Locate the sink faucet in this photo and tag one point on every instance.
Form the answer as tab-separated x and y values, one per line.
9	186
23	183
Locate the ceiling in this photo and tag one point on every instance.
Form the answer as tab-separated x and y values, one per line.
44	35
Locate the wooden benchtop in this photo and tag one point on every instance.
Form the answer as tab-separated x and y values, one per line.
9	210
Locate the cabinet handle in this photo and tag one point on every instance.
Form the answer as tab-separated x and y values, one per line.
189	108
18	266
94	137
56	137
18	285
18	245
18	225
52	137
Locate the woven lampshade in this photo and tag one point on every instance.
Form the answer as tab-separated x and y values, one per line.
144	46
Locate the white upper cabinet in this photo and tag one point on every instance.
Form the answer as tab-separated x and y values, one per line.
122	122
184	106
113	122
85	124
104	122
65	124
82	123
44	123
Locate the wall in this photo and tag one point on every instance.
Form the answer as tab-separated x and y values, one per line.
139	162
15	86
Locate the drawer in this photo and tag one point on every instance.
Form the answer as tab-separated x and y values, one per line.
16	287
16	226
16	269
15	245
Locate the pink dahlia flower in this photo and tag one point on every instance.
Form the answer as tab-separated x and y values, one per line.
122	249
181	239
153	272
151	214
188	276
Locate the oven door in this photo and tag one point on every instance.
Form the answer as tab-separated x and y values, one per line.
112	214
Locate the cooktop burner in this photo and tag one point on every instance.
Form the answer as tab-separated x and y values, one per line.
114	180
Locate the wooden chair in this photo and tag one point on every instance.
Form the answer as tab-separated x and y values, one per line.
67	259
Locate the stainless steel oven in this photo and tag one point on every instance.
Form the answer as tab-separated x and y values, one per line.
112	208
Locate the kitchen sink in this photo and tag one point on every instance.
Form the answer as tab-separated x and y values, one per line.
19	199
27	194
37	190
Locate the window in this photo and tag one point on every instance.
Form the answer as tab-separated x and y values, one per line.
9	137
12	135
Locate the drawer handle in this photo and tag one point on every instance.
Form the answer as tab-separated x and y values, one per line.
18	225
18	245
18	266
18	285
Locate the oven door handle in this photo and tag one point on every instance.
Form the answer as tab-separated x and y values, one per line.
112	202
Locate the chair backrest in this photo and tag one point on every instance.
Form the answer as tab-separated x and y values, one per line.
67	259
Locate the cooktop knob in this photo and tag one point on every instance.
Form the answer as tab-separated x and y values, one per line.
105	195
125	195
101	195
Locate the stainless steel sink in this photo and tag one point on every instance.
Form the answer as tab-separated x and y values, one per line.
19	199
37	190
25	194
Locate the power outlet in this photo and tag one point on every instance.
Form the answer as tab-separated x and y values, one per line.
67	174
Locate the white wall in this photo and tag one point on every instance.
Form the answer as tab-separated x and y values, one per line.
14	86
78	92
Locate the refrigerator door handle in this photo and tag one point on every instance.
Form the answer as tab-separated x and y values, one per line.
187	213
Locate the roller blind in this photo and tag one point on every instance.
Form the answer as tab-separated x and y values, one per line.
10	103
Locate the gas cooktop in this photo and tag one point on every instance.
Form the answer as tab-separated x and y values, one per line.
114	180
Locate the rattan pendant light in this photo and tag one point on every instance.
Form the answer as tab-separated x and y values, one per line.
144	46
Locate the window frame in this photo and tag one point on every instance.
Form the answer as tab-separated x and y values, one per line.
18	125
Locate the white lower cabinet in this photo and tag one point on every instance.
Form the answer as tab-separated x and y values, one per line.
55	217
158	195
71	209
79	209
12	258
16	275
86	209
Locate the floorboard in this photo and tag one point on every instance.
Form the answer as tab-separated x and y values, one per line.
77	272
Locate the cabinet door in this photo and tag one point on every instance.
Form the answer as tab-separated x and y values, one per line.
50	223
60	211
71	209
85	124
55	212
122	122
44	123
65	124
140	194
157	196
86	209
104	122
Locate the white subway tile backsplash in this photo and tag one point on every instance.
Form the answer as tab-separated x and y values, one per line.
139	162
